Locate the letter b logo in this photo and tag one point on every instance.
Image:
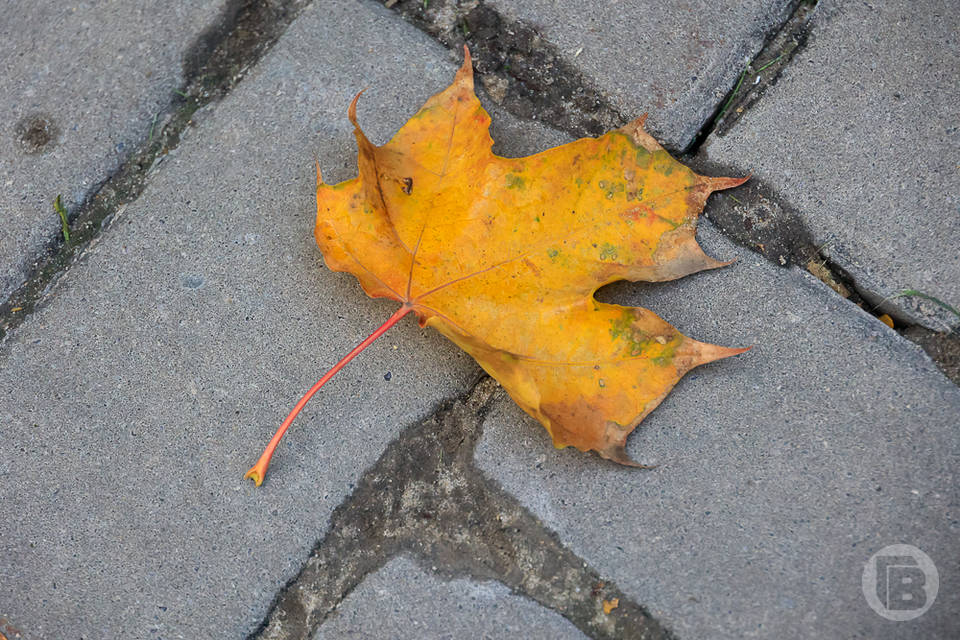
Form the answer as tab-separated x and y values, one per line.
900	582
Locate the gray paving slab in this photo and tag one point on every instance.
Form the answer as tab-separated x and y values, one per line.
133	401
861	135
675	60
403	600
781	471
81	84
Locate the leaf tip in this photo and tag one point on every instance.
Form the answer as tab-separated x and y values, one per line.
465	73
617	452
720	183
352	110
713	352
634	129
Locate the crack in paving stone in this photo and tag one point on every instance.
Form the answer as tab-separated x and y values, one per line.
216	62
425	497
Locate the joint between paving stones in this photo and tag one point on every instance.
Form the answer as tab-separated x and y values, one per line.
942	347
215	63
519	69
755	217
779	50
425	498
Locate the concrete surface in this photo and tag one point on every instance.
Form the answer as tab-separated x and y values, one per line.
139	392
403	600
781	471
861	135
135	400
675	60
96	72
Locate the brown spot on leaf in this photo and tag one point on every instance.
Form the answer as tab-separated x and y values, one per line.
530	265
591	430
640	213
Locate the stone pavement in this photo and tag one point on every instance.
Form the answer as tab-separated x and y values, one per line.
460	608
144	367
82	83
861	136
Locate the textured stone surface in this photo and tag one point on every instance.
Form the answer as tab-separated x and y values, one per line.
675	60
781	471
403	600
861	135
135	399
96	72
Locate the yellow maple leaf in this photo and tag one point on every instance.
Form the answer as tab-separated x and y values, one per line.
503	256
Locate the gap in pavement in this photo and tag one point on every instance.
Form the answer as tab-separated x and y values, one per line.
755	217
762	72
425	497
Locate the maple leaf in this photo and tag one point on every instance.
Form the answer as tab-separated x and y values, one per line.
503	256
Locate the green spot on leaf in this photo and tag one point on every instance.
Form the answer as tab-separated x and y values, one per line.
514	181
608	252
610	189
637	340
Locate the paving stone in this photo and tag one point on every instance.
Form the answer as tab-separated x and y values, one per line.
781	471
81	85
675	60
136	397
861	135
403	600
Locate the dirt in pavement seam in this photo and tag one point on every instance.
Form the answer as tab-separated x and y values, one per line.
425	497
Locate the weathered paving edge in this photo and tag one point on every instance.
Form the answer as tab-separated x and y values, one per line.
213	66
425	497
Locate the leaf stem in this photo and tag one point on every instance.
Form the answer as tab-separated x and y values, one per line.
259	470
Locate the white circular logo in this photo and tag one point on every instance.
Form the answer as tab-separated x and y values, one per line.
900	582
